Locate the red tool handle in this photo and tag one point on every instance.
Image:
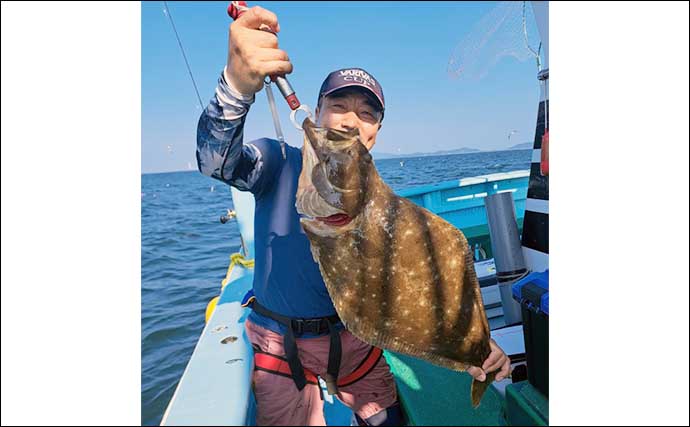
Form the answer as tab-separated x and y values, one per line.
235	10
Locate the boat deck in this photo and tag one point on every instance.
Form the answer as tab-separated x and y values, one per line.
215	388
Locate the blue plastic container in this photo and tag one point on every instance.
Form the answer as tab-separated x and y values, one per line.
532	292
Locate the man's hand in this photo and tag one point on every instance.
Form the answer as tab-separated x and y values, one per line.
253	53
497	360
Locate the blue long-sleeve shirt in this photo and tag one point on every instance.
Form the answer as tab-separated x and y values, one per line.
286	278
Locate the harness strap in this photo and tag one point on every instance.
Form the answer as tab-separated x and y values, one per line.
363	369
290	346
299	326
279	365
334	357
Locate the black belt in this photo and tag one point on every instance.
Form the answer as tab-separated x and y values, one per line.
315	326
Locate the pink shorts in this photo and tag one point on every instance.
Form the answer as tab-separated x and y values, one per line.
278	402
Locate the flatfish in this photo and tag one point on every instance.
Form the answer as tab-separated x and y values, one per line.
400	277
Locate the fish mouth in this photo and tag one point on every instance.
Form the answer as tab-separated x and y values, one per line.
337	220
327	226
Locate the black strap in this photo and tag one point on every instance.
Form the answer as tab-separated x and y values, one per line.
507	276
293	359
300	326
334	356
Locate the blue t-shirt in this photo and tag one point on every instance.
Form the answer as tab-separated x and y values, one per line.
287	280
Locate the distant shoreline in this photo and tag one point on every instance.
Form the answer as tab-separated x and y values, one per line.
396	157
388	156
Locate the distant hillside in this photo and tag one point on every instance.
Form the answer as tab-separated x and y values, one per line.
463	150
523	146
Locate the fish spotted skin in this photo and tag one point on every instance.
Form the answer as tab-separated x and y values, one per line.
400	277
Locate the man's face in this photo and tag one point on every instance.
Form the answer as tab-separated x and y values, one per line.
350	108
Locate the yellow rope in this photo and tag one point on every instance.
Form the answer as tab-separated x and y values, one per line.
236	258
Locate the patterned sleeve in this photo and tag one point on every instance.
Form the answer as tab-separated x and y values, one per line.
220	152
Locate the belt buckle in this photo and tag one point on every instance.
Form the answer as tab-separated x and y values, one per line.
297	326
313	326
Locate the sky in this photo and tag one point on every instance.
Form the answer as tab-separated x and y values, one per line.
405	47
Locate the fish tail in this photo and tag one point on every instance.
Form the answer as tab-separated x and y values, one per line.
479	388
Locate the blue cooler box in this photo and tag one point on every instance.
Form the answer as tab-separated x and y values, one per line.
532	292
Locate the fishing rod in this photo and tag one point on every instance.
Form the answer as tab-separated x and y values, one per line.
231	214
166	11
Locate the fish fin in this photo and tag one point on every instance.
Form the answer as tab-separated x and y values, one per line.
479	388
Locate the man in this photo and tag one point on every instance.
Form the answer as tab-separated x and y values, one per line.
290	352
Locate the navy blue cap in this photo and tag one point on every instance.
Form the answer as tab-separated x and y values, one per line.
352	77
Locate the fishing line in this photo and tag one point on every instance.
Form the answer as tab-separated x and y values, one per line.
166	11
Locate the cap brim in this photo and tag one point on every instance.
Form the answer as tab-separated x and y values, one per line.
354	84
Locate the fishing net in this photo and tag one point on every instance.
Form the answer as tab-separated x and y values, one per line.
507	30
